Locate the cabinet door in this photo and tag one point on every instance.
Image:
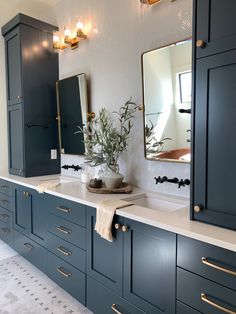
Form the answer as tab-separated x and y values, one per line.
149	268
104	259
23	205
216	26
15	140
13	67
214	168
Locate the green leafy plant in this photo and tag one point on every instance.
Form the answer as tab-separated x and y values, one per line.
153	146
106	137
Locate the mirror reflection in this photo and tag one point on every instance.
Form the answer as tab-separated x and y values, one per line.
167	81
72	108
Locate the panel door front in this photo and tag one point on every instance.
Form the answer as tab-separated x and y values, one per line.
23	199
216	26
13	67
15	140
104	259
149	268
214	168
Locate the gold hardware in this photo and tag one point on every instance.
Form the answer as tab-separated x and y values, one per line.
4	187
63	272
28	246
64	251
113	307
141	108
58	118
200	43
5	230
5	202
225	270
117	226
19	97
149	2
197	209
26	194
91	115
124	228
64	209
4	216
64	230
215	305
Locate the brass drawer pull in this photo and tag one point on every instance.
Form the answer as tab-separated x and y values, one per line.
64	230
5	231
64	209
5	202
4	216
4	187
26	194
28	246
113	307
63	272
215	305
201	43
64	251
225	270
117	226
124	228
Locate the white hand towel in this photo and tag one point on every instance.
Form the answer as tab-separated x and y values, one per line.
105	213
47	185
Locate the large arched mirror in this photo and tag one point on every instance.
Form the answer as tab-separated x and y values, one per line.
167	82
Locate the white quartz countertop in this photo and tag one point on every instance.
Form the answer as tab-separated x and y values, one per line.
177	221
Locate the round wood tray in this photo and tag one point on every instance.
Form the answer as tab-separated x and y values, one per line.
124	188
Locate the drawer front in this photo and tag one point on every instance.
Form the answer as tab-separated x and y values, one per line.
68	231
30	250
6	187
101	300
6	202
185	309
203	294
6	233
201	258
66	209
67	251
6	217
67	276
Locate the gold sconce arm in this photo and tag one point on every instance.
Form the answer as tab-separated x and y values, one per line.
91	115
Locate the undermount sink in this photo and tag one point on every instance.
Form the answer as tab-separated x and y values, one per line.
156	202
61	179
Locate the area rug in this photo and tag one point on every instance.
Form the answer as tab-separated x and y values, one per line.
26	290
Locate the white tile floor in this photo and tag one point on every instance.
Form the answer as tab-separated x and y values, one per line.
6	251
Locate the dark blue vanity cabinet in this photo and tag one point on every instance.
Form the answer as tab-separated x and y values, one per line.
214	110
139	266
32	72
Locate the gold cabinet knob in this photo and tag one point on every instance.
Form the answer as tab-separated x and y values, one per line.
117	226
200	43
26	194
197	208
124	228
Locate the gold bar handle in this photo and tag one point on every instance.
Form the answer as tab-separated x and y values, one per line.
28	246
4	216
5	231
113	307
215	305
4	187
64	251
64	209
225	270
64	230
63	272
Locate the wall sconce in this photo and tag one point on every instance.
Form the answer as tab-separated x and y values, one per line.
150	2
69	40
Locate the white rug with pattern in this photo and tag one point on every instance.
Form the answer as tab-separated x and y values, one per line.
26	290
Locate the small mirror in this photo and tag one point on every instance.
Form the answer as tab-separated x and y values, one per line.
167	82
72	108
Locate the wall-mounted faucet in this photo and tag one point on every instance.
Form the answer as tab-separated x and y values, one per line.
76	168
180	182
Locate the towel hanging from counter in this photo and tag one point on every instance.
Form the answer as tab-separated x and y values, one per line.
47	185
104	217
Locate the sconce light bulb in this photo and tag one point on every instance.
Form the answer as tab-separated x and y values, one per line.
67	35
80	25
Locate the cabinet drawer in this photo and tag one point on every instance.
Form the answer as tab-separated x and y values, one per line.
66	209
6	217
30	250
198	292
6	233
100	300
184	309
67	251
6	202
202	258
67	231
66	276
6	187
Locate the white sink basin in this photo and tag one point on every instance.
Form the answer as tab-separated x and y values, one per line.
61	179
156	202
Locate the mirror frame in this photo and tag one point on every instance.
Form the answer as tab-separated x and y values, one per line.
143	105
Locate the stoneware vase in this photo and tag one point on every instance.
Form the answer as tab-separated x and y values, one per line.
112	178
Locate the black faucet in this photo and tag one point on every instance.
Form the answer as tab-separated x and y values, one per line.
182	182
76	168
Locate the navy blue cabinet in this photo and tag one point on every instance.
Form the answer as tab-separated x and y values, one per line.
32	72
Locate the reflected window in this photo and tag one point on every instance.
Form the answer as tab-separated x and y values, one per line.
185	87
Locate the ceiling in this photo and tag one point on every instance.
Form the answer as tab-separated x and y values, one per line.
35	8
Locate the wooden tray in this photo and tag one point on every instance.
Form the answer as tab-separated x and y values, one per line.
124	188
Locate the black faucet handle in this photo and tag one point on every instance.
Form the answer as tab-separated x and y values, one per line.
157	179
